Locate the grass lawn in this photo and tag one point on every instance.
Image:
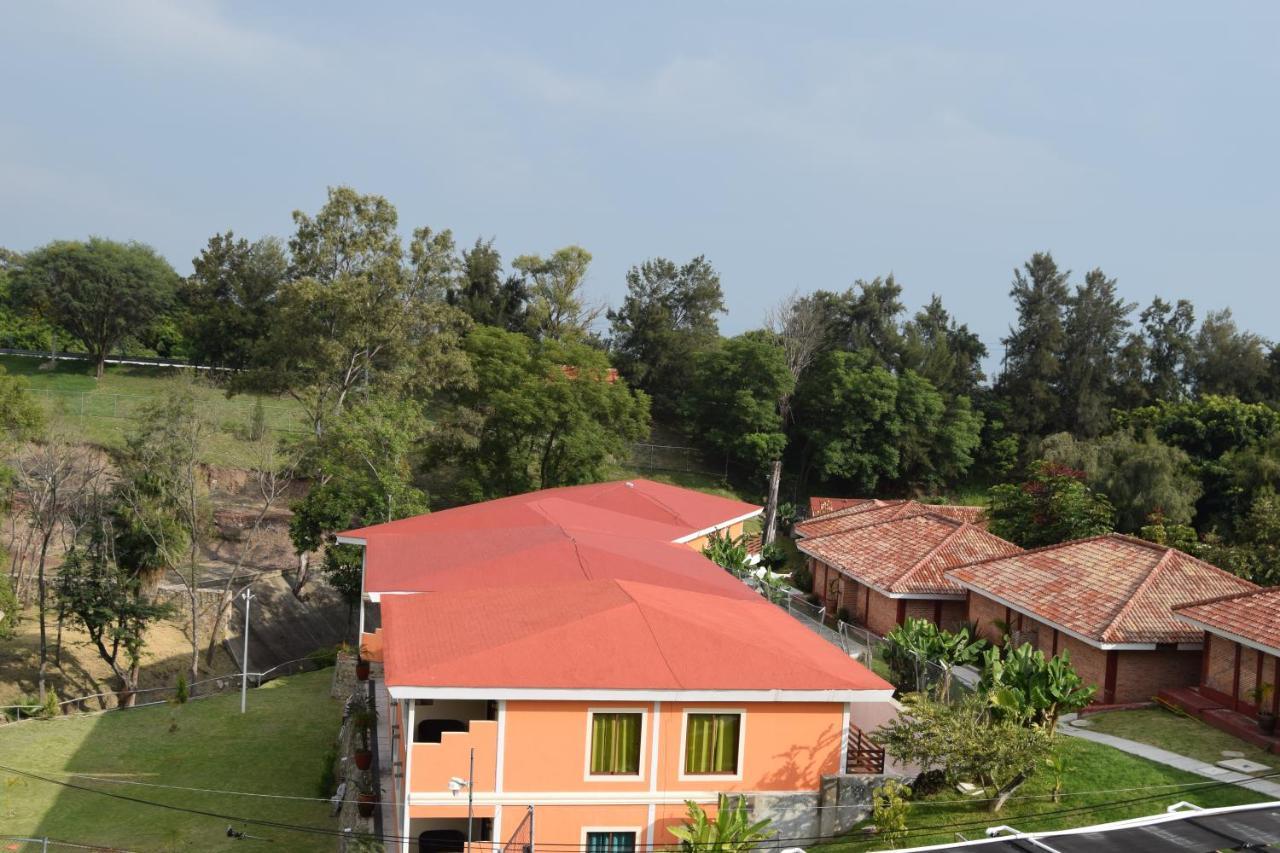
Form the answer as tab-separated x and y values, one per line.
1113	776
1178	733
278	747
102	411
709	483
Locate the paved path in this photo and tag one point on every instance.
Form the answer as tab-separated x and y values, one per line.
1267	787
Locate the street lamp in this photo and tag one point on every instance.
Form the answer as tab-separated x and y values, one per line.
244	657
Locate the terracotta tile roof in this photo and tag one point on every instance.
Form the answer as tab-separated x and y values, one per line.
907	554
1254	616
597	635
1109	589
873	511
822	506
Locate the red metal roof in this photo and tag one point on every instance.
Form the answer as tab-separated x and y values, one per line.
907	554
1110	589
606	530
1254	616
604	635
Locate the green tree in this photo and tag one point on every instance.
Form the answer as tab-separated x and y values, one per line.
733	401
1053	506
943	351
916	645
1205	428
969	742
1034	348
865	318
732	831
485	295
355	317
1228	361
10	610
540	414
1141	476
1170	348
558	308
230	298
666	318
1093	334
21	329
100	291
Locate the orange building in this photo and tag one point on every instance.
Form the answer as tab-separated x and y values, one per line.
570	652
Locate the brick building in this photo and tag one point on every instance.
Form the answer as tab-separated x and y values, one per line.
832	515
882	572
1108	601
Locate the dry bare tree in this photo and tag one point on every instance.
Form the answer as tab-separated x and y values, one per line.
801	327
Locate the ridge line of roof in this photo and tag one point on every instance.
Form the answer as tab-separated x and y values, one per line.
1230	596
916	513
932	551
1139	588
657	644
1026	552
680	518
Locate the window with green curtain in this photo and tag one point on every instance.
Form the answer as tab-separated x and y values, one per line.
615	743
711	743
611	842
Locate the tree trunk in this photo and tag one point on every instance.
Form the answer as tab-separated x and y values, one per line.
57	644
44	629
771	508
1006	792
195	631
102	366
300	580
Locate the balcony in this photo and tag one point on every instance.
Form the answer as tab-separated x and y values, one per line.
445	734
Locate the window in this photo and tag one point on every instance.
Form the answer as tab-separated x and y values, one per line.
611	842
615	743
711	744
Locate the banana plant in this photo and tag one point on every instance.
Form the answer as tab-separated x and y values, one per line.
731	832
1026	685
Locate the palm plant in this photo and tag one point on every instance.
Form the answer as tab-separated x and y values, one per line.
731	832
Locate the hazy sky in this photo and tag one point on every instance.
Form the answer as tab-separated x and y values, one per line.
797	145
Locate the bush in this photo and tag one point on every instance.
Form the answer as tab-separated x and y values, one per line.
328	782
50	708
257	420
802	578
183	692
10	610
326	656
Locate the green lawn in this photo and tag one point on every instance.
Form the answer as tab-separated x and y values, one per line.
102	411
1178	733
709	483
1097	783
278	747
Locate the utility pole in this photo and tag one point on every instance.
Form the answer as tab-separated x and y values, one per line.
471	778
244	658
771	507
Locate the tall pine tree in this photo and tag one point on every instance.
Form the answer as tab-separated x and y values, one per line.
1033	350
1096	322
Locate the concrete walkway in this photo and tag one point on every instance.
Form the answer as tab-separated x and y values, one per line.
1266	787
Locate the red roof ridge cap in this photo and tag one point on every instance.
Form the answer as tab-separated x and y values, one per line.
1230	596
915	513
1025	552
1136	593
959	528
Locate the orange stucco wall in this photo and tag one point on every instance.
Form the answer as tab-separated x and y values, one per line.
732	531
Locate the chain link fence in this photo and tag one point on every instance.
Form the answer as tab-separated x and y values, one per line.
671	457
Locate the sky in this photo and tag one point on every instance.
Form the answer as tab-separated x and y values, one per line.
797	145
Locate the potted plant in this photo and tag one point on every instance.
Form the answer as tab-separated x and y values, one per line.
364	718
1261	695
366	794
362	667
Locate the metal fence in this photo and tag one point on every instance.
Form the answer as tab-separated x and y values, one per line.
202	689
671	457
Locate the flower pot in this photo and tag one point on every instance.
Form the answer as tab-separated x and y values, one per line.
362	670
365	804
1267	723
363	758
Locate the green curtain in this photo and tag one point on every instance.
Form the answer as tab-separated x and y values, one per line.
611	842
711	743
615	744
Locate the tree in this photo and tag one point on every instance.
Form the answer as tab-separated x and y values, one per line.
10	610
1093	334
164	515
365	464
1141	476
969	742
733	401
801	328
109	601
19	328
1053	506
732	831
943	351
666	318
1169	348
481	291
540	414
1033	350
1227	361
99	291
354	317
865	318
557	304
916	644
230	299
1205	428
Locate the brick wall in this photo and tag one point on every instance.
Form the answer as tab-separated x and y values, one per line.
954	615
883	614
987	613
1220	674
1089	663
1140	675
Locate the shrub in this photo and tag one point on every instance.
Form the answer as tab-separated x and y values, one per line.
257	420
183	692
889	809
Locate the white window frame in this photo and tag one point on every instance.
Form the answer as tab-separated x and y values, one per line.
742	745
637	831
587	775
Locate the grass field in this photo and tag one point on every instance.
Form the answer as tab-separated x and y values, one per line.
277	748
1101	784
1178	733
102	411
